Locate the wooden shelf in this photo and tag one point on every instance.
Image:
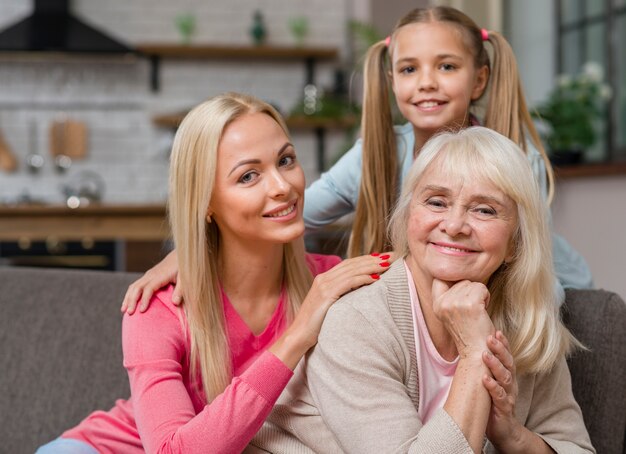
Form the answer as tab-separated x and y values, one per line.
157	51
293	122
590	170
237	52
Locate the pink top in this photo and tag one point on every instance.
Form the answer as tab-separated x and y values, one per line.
434	372
166	413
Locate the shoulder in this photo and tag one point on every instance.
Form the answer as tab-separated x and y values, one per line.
369	304
320	263
163	319
405	130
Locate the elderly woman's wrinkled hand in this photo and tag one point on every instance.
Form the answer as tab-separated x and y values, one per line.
462	307
502	426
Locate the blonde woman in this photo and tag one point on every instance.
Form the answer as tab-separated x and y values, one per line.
204	377
437	64
460	342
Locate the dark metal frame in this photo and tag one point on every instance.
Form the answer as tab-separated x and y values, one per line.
608	17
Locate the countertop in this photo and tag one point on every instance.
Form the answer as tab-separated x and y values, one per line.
95	221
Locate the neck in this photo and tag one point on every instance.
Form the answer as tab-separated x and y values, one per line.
251	272
442	340
422	136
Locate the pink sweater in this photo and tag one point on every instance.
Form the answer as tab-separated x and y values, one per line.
167	412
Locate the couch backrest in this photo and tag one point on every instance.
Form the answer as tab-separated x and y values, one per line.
61	356
60	345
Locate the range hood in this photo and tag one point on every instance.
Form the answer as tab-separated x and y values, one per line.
52	28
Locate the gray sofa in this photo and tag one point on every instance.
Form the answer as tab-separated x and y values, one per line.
61	355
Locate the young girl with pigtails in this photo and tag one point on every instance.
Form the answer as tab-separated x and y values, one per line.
438	67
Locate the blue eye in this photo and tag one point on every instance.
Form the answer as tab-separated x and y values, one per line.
286	160
247	177
408	70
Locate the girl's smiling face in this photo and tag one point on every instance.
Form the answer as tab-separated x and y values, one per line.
459	228
434	77
259	184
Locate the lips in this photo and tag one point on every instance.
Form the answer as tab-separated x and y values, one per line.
282	210
429	103
455	248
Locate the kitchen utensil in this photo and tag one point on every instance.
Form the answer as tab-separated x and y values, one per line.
34	161
83	188
8	162
68	137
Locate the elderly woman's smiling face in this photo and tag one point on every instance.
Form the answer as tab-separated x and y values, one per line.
460	227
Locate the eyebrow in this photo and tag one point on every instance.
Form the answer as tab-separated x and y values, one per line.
482	198
258	161
439	57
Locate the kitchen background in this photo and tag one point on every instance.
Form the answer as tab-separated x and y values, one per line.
126	152
113	96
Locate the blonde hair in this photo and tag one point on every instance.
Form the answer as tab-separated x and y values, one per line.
522	302
506	113
192	179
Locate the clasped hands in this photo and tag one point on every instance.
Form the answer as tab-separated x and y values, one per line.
462	308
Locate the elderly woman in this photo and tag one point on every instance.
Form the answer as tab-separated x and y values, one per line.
459	346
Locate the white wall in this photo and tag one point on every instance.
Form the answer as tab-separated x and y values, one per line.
115	101
589	212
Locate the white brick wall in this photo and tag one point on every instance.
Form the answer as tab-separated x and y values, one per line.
114	100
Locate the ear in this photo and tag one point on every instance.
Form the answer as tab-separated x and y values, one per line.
482	77
209	213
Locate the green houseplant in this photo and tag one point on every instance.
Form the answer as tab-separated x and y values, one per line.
572	113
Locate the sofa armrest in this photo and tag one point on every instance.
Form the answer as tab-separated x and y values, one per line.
597	318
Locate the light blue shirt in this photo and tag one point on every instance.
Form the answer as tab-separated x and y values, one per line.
336	192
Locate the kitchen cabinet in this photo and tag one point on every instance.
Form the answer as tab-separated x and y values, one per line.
71	237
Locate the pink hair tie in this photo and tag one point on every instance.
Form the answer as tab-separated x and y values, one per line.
387	41
484	34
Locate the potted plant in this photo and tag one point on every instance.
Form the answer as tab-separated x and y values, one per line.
572	112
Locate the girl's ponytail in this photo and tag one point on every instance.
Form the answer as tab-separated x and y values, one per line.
378	190
507	112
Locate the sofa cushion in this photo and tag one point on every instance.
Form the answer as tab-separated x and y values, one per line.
60	335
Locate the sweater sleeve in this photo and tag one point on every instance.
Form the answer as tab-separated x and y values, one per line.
335	193
554	414
355	376
155	356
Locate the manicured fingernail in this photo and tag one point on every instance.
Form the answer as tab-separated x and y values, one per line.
384	257
375	254
375	276
384	264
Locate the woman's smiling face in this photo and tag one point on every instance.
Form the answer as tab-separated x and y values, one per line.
259	184
460	227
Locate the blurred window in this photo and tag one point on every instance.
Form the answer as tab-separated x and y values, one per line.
595	31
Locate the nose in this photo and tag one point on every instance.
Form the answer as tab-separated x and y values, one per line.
427	80
454	222
278	186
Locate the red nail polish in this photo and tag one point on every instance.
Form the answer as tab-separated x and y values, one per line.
384	257
375	276
375	254
384	264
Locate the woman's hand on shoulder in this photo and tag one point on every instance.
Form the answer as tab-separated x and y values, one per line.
462	308
327	288
163	273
